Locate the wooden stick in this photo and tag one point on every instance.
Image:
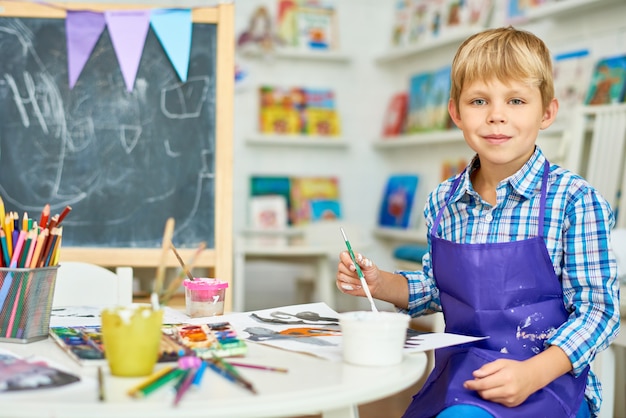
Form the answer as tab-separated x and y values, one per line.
182	263
168	233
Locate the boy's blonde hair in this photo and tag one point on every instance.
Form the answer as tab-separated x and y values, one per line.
507	54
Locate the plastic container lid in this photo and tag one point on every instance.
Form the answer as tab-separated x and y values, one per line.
205	284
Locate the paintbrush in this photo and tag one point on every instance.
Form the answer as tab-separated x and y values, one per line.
179	279
182	263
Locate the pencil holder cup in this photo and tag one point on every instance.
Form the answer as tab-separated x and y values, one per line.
131	336
204	297
26	303
373	338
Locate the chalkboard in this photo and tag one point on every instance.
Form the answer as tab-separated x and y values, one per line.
124	161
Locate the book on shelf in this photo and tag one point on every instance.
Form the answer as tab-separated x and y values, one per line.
267	185
437	100
608	81
325	210
321	117
316	27
286	21
395	115
572	73
298	111
280	110
417	21
85	346
268	213
400	24
305	190
419	85
307	25
398	201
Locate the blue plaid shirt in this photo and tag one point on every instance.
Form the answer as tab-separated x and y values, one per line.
578	224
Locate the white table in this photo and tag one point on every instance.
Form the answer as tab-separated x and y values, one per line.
311	386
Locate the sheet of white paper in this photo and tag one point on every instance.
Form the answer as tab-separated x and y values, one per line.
328	347
65	316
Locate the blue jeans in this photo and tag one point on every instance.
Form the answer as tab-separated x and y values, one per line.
471	411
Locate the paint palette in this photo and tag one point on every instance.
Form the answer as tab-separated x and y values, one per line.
84	344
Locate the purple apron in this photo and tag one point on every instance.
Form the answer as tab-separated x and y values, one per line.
509	292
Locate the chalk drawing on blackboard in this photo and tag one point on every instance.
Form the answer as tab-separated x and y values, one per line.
184	102
125	161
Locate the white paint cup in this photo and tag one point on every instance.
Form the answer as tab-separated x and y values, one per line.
373	338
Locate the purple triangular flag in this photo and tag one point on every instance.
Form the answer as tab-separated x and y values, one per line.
128	30
173	28
82	29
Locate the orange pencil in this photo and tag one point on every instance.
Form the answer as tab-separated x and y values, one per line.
32	239
40	243
45	215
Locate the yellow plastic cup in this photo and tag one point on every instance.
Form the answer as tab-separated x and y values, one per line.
131	336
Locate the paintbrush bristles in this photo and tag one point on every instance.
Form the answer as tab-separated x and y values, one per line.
182	263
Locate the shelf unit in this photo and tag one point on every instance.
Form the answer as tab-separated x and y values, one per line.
296	141
427	138
409	51
297	54
558	9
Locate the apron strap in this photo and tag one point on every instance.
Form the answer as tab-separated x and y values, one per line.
541	227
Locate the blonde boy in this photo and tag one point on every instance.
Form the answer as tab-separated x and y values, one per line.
518	250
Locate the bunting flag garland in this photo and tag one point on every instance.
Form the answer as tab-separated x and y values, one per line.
173	29
83	29
128	30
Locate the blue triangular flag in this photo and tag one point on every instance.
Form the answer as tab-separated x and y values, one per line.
173	29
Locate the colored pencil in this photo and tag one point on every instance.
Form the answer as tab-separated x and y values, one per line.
259	367
18	248
8	230
174	375
101	389
39	244
45	216
5	252
2	212
184	384
63	214
231	370
16	303
149	380
197	379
